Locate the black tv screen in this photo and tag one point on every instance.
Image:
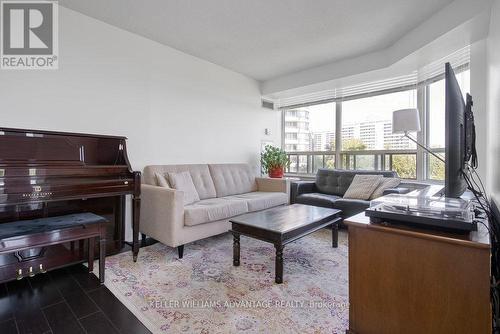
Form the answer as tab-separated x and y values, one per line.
455	134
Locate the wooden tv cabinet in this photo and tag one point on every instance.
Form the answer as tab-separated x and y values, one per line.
406	280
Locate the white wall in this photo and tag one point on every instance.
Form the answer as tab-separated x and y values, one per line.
493	147
478	87
174	108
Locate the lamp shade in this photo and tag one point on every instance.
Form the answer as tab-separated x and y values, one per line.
405	120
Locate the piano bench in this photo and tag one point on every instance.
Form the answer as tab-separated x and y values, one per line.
19	236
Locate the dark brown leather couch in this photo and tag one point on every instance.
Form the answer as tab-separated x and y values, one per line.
330	186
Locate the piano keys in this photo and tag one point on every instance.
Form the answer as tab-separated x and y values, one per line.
46	174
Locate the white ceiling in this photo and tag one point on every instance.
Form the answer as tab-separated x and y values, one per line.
265	39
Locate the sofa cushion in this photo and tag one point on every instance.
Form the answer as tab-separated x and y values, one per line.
232	179
336	181
183	182
350	207
363	186
385	183
213	209
260	200
200	174
161	180
317	199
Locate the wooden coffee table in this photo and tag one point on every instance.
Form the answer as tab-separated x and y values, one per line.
282	225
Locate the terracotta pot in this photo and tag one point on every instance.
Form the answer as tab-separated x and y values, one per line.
276	173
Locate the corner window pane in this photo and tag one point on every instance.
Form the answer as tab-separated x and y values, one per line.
310	128
436	123
329	161
303	164
367	122
365	162
436	167
405	165
293	164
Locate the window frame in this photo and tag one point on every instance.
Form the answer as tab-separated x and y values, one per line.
423	104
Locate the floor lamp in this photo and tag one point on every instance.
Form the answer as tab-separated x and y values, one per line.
408	120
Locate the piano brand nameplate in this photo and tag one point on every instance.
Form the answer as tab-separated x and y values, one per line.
37	195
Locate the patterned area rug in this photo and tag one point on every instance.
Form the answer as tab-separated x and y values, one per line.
204	293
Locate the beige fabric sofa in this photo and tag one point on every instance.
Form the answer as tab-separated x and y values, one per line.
225	190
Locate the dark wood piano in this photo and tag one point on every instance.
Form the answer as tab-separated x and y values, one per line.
47	174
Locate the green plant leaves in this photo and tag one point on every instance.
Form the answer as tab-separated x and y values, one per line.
273	157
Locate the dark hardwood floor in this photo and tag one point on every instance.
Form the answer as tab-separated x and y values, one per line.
68	300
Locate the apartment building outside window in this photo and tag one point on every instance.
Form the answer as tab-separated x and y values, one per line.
310	129
369	121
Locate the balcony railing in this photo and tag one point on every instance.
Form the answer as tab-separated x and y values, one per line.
404	162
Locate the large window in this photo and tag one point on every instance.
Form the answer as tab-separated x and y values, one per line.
365	133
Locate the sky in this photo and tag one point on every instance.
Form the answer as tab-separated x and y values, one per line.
376	108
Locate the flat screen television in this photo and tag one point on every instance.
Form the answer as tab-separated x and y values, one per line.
459	135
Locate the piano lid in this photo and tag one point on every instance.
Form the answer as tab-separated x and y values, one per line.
27	147
46	166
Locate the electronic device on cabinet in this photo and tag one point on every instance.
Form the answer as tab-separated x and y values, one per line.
439	213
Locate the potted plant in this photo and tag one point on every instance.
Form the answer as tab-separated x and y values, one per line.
273	161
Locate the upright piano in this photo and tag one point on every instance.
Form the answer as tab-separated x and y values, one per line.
47	174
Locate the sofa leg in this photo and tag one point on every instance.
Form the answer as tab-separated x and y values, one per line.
143	240
180	250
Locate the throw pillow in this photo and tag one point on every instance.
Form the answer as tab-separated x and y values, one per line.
183	182
161	180
385	183
362	186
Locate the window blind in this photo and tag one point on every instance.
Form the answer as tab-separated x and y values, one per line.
459	60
